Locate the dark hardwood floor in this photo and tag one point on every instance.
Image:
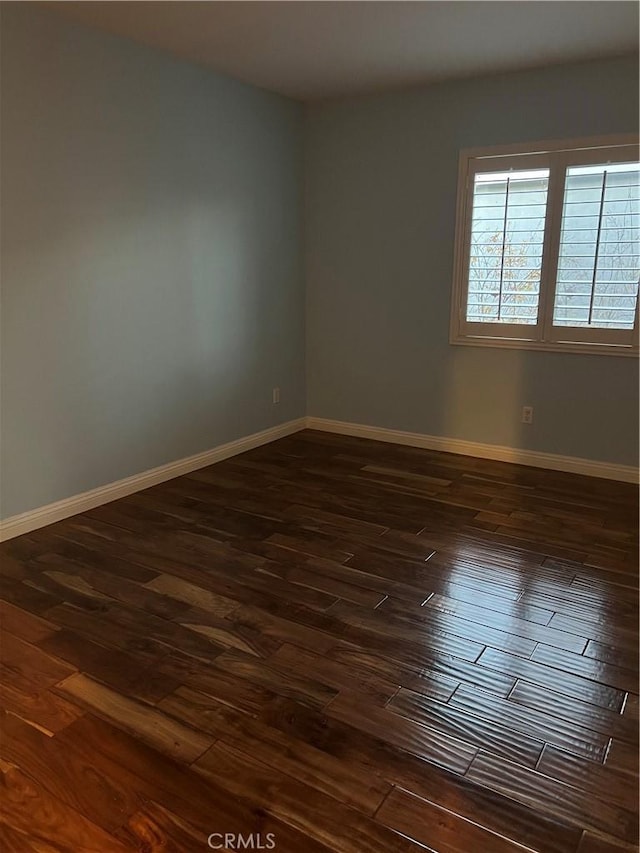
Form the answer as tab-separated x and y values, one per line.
337	644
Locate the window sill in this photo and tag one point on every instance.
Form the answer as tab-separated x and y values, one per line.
546	346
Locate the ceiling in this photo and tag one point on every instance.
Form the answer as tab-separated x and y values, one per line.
310	50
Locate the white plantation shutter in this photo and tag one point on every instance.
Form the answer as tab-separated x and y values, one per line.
505	257
547	252
599	258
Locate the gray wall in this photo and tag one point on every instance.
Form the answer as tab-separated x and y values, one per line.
152	287
380	211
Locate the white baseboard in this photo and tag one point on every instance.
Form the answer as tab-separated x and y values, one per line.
25	522
570	464
33	519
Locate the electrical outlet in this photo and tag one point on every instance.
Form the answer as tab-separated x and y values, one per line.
276	396
527	414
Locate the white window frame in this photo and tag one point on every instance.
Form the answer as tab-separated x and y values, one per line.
557	156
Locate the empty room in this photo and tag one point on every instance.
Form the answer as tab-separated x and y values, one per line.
319	426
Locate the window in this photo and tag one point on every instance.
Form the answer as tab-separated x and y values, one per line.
548	247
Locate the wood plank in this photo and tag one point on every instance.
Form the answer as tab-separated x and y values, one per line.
58	540
553	679
24	625
26	597
624	757
594	670
399	757
601	782
115	668
437	666
484	808
347	574
442	746
150	725
332	586
306	689
438	828
100	630
589	573
14	841
427	579
10	567
193	595
99	584
427	624
512	623
587	607
346	523
30	810
84	783
471	730
377	682
552	797
224	633
227	688
156	828
631	709
158	778
604	630
312	812
39	707
596	844
612	654
282	629
573	711
154	633
340	779
568	735
403	643
25	665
